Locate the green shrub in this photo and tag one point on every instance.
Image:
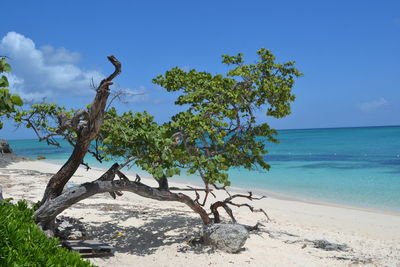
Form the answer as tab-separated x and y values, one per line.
22	243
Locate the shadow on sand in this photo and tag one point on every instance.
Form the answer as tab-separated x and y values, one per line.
159	227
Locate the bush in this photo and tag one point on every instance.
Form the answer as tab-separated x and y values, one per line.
22	243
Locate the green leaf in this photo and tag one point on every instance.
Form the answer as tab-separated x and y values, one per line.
16	99
7	68
3	81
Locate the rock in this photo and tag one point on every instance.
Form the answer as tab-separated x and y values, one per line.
227	237
5	147
41	157
70	228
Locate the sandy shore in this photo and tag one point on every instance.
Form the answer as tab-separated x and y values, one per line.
151	233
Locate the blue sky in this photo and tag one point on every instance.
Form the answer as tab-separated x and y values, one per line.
349	52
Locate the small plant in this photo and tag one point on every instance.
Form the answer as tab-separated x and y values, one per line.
23	244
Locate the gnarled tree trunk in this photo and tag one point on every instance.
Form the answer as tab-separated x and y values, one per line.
87	125
58	181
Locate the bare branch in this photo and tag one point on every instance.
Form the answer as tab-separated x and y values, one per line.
86	165
96	111
92	84
96	155
214	210
122	176
48	137
222	188
197	197
250	207
129	160
214	207
118	95
250	197
50	209
117	66
109	175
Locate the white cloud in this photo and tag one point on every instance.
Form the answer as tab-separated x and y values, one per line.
45	72
59	55
373	105
17	86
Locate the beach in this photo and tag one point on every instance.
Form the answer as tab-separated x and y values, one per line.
146	232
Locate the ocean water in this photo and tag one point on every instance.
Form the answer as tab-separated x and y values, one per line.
358	167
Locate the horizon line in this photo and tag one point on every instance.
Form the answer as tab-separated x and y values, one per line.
339	127
288	129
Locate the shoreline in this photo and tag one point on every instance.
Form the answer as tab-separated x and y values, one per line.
262	192
287	197
282	196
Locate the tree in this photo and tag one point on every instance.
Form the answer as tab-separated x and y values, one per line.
7	101
217	130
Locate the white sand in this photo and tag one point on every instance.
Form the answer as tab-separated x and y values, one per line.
155	233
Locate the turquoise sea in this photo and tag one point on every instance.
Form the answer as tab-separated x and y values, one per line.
358	167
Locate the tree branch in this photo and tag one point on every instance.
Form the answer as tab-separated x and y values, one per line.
86	132
214	207
49	210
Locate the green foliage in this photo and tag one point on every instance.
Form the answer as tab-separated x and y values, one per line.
137	135
218	130
219	124
23	244
43	116
44	119
7	101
